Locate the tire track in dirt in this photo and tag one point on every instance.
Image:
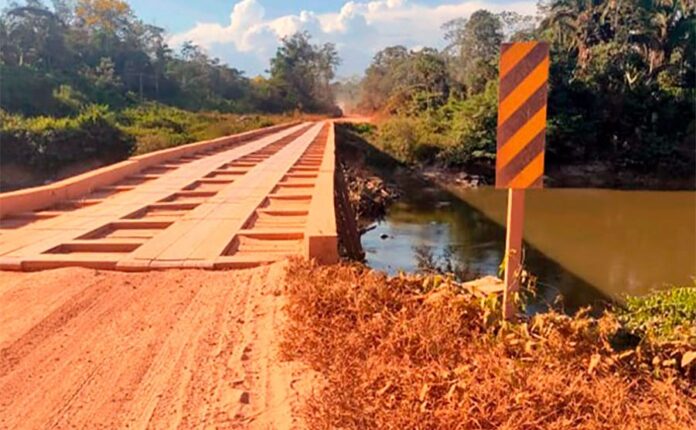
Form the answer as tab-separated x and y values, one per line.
27	300
274	398
175	349
13	354
143	344
176	401
217	406
84	358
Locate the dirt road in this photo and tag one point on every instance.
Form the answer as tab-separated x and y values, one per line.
179	349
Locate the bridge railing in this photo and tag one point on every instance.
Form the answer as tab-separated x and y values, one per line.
42	197
321	234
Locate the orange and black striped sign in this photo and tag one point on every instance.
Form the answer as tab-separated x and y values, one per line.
524	72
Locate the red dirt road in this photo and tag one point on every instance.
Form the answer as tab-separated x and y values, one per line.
81	348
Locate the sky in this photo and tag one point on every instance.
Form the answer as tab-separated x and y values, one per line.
246	33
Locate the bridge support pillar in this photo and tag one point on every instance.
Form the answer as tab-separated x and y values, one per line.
323	249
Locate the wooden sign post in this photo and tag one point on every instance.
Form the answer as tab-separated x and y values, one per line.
522	95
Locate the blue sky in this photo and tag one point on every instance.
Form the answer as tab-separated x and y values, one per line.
180	15
246	33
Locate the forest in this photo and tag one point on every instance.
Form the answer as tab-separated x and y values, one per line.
85	80
621	89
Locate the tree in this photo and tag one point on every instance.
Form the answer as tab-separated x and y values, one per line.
86	51
303	72
426	83
473	47
576	25
666	27
399	80
382	78
34	36
109	16
517	27
347	93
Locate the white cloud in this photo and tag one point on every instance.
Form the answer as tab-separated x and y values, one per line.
359	29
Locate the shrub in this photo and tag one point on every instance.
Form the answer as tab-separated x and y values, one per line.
157	126
473	128
232	124
16	83
667	315
149	140
458	133
361	128
409	140
47	144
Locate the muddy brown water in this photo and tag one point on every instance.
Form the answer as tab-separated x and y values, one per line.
586	246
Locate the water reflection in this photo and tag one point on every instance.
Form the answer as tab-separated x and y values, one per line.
588	245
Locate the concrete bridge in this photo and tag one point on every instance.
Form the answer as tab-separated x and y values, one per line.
232	202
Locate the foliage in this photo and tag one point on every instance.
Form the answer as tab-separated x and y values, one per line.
473	48
347	93
95	136
662	316
57	62
622	85
101	50
159	127
405	82
364	168
461	132
473	128
46	144
426	352
407	139
303	72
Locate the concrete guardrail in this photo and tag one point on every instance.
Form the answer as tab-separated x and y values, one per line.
45	196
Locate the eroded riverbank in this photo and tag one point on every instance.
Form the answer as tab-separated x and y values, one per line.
588	246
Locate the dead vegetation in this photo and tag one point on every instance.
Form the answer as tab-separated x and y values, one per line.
369	196
423	353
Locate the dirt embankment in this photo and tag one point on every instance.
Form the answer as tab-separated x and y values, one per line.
190	349
365	174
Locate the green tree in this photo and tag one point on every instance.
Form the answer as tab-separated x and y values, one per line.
33	36
383	77
303	72
473	46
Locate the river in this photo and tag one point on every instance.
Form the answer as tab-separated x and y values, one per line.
585	246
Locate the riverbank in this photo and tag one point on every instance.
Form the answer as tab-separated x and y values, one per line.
437	163
461	225
426	352
597	175
370	190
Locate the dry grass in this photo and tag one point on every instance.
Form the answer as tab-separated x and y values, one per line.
398	355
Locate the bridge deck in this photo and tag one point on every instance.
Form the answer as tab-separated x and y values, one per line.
234	202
